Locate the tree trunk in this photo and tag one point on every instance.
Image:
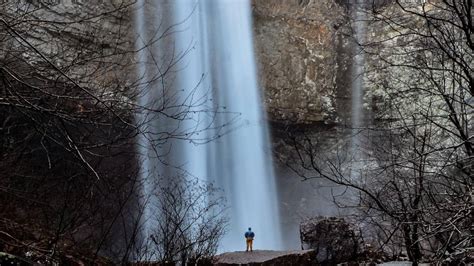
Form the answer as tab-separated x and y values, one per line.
412	246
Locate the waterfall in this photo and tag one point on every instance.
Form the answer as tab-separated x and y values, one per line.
214	74
357	87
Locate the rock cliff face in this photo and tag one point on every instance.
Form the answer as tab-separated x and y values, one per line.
92	44
304	59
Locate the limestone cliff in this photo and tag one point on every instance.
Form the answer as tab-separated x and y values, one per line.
303	59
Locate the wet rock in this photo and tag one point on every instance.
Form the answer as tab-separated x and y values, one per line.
333	239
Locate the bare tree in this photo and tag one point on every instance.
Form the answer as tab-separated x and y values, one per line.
414	180
187	223
68	103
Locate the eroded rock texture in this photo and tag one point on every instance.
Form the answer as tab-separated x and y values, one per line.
333	239
268	257
304	59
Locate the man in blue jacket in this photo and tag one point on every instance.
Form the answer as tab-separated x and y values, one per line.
249	235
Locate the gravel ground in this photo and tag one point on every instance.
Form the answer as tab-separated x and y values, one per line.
254	256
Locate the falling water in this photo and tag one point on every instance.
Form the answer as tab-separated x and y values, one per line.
216	71
357	87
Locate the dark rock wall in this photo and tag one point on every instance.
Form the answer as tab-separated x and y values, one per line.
303	59
304	50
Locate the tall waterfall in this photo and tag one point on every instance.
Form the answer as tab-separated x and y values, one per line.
357	86
211	44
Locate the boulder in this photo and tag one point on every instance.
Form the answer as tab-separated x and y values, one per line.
333	239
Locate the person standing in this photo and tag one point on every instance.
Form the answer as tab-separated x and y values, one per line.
249	235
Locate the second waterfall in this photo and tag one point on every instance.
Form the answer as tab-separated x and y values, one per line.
200	54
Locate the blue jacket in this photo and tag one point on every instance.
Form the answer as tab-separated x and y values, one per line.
249	234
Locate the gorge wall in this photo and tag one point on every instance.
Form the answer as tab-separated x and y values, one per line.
304	50
304	59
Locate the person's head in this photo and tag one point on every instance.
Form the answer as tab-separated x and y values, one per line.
250	229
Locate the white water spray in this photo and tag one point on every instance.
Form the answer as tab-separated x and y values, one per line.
357	87
216	71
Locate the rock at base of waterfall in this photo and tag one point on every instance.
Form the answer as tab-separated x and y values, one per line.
334	239
268	257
